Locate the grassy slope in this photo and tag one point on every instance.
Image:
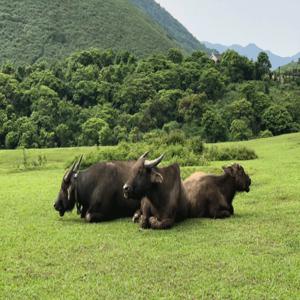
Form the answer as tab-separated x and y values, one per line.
254	255
31	29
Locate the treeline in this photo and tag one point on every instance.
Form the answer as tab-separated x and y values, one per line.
104	97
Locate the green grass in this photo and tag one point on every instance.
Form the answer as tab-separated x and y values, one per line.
254	255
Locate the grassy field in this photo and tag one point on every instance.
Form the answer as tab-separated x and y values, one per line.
254	255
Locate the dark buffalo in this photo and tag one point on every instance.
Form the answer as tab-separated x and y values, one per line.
97	191
164	197
211	195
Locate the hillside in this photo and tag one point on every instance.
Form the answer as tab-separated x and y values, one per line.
295	65
174	28
31	30
251	51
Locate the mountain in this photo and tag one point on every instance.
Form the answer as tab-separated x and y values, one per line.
251	51
176	31
31	30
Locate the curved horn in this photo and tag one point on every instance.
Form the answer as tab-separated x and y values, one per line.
78	164
152	163
68	173
144	155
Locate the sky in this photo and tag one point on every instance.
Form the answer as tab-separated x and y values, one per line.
270	24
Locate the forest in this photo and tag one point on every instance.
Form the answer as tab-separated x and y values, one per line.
103	97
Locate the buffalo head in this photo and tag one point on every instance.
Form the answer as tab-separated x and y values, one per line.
242	180
142	176
66	197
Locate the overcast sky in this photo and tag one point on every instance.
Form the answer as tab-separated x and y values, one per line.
271	24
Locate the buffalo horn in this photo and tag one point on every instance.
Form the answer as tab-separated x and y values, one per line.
78	164
152	163
68	173
144	155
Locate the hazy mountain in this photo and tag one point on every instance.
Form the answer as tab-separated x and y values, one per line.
251	51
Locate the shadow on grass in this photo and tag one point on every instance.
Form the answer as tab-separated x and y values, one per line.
73	220
77	220
183	226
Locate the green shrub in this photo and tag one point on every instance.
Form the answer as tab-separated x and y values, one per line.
196	144
169	127
265	134
175	137
185	154
153	136
11	140
230	153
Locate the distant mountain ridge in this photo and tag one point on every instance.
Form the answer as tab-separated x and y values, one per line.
251	51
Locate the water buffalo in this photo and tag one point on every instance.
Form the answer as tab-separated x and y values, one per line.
97	191
164	199
211	195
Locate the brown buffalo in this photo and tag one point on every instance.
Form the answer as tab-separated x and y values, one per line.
165	200
211	195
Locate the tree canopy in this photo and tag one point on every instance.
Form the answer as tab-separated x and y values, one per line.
102	97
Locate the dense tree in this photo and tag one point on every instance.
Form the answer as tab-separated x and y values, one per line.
106	136
133	92
11	140
214	126
166	79
175	55
200	58
162	108
192	107
262	66
104	97
90	131
277	119
241	109
212	83
239	130
27	132
63	135
236	67
171	126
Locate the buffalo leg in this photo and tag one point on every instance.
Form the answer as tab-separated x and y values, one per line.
144	222
163	224
91	217
220	214
137	215
83	213
146	212
218	208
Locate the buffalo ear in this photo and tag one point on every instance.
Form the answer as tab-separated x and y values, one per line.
156	177
228	170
